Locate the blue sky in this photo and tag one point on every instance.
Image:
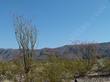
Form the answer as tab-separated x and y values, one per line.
59	22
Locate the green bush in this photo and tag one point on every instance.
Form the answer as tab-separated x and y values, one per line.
54	70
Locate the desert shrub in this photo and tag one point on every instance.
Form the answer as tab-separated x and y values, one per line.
54	70
105	65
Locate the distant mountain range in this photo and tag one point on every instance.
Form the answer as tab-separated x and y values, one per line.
67	51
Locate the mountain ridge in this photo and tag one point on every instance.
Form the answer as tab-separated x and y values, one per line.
66	51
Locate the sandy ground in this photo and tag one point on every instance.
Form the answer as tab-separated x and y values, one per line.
83	80
94	80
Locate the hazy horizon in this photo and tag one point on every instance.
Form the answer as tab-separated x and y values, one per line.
59	22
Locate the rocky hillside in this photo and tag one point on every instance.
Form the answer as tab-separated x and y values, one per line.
67	51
